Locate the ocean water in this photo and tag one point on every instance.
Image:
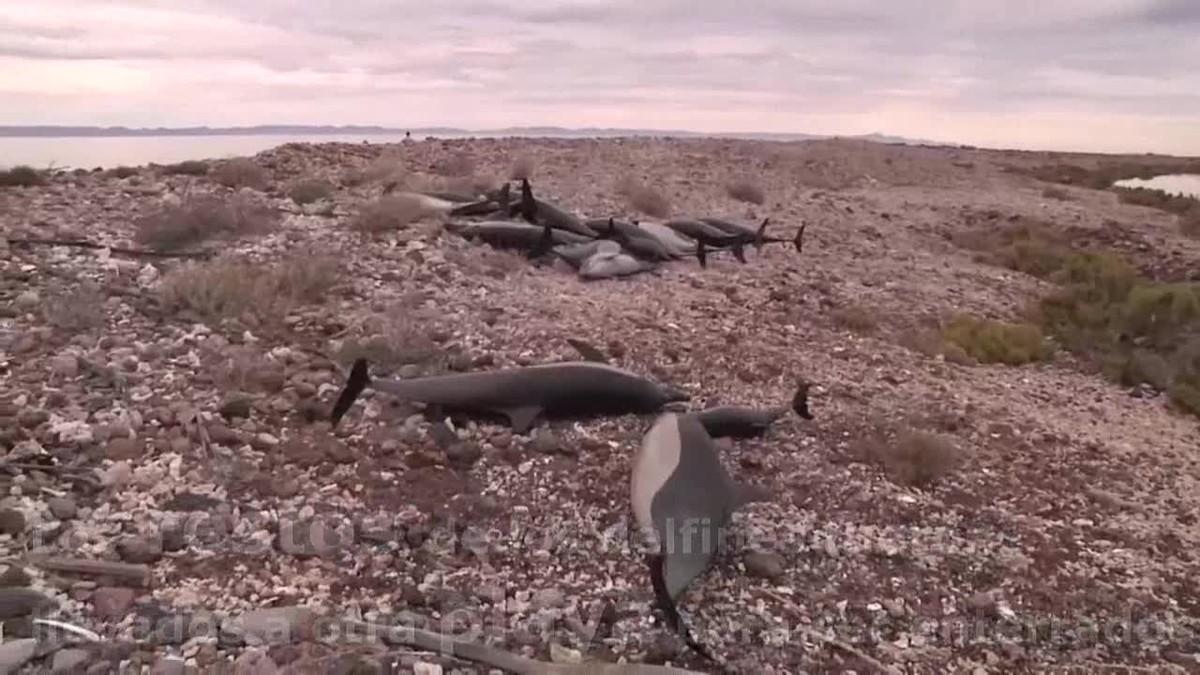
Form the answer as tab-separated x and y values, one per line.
108	152
1176	183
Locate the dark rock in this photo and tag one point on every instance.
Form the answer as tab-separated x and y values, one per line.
124	449
15	602
223	435
412	596
12	522
355	664
442	435
236	406
665	647
545	442
190	501
15	577
71	660
460	362
62	508
142	549
764	565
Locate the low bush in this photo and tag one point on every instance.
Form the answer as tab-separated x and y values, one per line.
990	341
241	173
522	167
388	213
309	190
746	191
200	218
644	198
910	457
191	167
21	176
242	289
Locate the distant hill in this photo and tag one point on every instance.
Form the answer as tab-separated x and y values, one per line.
49	131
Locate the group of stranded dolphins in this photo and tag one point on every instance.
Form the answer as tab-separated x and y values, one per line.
681	495
598	248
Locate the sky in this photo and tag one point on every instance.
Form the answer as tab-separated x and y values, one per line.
1098	75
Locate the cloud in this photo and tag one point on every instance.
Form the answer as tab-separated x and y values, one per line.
1010	72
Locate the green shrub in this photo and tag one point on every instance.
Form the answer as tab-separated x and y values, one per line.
309	190
191	167
990	341
199	218
21	176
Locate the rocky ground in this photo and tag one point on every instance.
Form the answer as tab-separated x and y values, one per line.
1066	535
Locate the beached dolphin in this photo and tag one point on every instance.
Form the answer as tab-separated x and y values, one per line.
540	212
576	254
682	500
523	395
637	241
512	234
748	235
607	264
666	235
495	203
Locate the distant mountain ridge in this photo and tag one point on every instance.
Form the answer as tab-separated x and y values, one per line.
59	131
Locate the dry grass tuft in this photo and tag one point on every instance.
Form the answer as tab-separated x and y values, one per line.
990	341
522	168
21	176
200	218
456	165
309	190
388	213
242	173
402	335
386	169
1189	224
78	309
191	167
856	318
911	457
123	171
643	198
472	185
746	191
247	290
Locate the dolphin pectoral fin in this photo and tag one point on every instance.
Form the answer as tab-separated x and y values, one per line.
739	253
798	242
358	380
522	418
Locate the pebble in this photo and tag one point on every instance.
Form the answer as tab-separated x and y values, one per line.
12	522
141	549
62	508
65	365
545	442
235	406
28	300
765	565
119	449
275	625
112	602
464	454
425	668
32	417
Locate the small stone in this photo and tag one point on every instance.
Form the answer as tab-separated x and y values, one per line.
124	449
141	549
112	602
560	654
32	417
65	365
235	406
28	300
442	435
424	668
665	647
254	662
275	625
770	566
545	442
12	522
502	440
62	508
223	435
894	608
315	537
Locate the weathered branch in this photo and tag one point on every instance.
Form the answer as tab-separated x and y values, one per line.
115	250
94	568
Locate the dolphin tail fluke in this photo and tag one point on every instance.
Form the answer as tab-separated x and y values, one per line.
528	203
664	601
739	253
701	253
504	197
800	400
358	380
798	242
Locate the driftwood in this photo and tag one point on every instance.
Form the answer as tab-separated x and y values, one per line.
403	636
115	250
94	568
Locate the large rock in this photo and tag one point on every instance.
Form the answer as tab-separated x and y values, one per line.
274	625
15	654
15	602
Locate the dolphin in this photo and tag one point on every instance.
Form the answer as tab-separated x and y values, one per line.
682	499
510	234
523	395
576	254
667	236
541	212
636	240
749	235
607	264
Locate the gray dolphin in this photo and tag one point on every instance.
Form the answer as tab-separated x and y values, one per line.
574	388
670	237
682	500
636	240
577	254
608	264
511	234
541	212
